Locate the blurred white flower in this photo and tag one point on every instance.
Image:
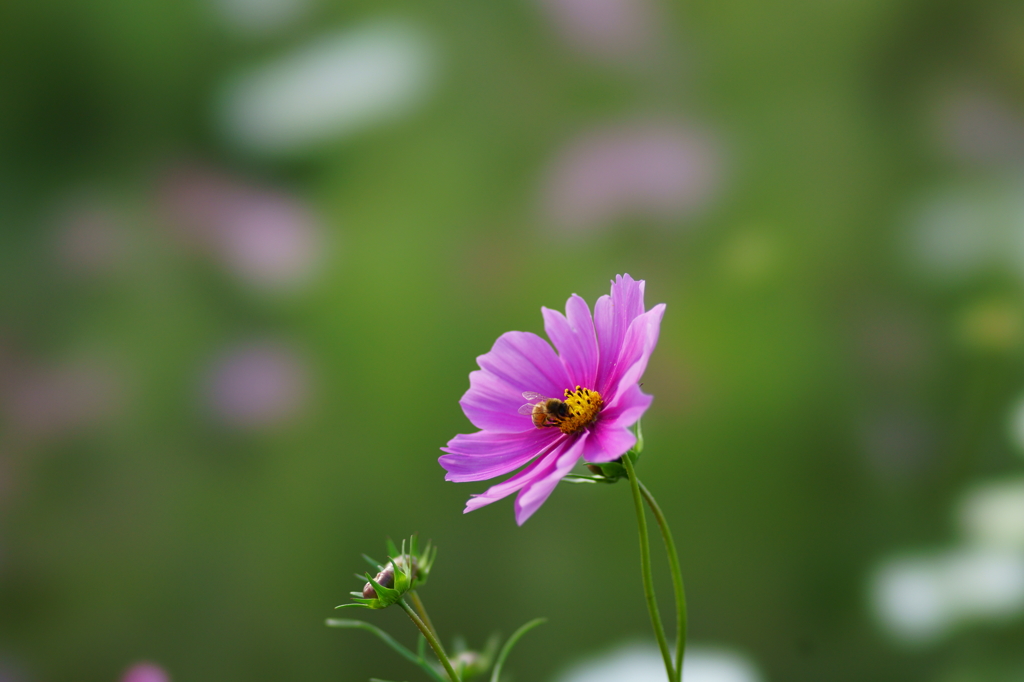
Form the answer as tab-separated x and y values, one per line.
958	231
259	17
920	599
951	235
267	238
993	514
643	663
662	170
257	384
338	85
145	672
617	30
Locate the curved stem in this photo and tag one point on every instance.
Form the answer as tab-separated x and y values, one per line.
431	640
421	610
677	579
645	569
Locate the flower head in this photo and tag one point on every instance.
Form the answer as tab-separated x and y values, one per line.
404	571
580	402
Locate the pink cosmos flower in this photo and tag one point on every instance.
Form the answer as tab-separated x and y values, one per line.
581	402
145	672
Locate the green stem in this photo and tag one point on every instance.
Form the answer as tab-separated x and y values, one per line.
417	604
431	640
677	579
645	568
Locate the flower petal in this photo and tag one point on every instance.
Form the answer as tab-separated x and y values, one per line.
542	483
533	470
492	404
526	362
486	454
574	336
612	317
629	405
608	442
641	338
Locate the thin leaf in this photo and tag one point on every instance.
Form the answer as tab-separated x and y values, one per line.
507	649
390	641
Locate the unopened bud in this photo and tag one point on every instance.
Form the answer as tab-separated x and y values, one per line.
386	578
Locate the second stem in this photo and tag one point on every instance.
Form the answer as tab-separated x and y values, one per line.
645	569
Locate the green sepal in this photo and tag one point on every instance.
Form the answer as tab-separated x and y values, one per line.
579	478
385	595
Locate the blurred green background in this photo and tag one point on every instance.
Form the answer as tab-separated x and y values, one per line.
249	250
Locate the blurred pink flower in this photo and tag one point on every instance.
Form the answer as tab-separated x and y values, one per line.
619	30
260	383
265	237
145	672
975	126
654	169
41	400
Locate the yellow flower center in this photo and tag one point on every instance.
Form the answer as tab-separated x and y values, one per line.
582	406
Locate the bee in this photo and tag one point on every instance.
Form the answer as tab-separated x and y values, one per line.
543	410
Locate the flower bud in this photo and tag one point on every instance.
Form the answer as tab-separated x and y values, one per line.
404	571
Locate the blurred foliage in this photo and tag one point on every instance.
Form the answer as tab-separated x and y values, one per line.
817	404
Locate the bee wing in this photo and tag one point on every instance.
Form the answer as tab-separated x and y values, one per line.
526	409
530	395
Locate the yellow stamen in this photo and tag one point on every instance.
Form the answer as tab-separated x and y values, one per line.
583	405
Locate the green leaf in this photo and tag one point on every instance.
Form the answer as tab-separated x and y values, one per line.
507	649
390	641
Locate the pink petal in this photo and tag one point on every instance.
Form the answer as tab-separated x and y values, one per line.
612	317
574	336
486	454
628	406
526	362
492	404
543	481
510	485
641	338
608	442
